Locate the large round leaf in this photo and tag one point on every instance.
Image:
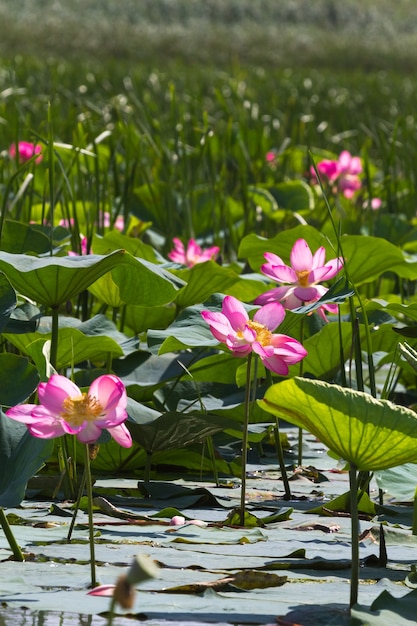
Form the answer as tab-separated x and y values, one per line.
53	280
371	434
73	347
137	282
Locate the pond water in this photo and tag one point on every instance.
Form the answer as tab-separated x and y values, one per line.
197	564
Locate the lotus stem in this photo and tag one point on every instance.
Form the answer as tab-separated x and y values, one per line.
245	440
90	514
54	336
4	523
148	467
278	445
354	578
281	460
77	505
211	451
300	430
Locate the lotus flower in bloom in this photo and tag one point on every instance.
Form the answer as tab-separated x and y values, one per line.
65	409
343	173
26	151
193	254
303	276
242	335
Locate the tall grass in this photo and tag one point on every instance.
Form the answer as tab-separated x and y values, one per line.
328	33
172	142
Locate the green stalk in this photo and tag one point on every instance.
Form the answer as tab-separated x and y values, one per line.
54	336
245	440
51	175
148	466
111	611
281	461
210	448
4	523
354	578
87	470
300	430
278	447
77	506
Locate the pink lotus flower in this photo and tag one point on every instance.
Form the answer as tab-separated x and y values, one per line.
26	151
64	409
143	568
179	520
374	204
83	246
105	591
194	253
303	276
242	335
343	174
119	223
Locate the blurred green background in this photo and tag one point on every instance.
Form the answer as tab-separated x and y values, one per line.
360	34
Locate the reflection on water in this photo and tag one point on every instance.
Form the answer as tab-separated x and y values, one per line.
22	617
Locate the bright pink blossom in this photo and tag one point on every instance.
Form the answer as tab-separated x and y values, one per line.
193	254
242	335
106	591
302	277
179	520
343	174
26	151
65	409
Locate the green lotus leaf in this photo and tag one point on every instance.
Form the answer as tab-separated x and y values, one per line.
114	240
172	430
19	238
19	379
203	280
188	330
368	433
21	456
253	247
7	301
138	282
293	195
141	318
53	280
369	257
73	347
